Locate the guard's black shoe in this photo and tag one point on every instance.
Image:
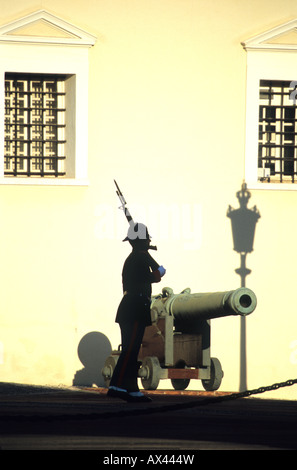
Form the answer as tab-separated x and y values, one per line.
139	398
118	394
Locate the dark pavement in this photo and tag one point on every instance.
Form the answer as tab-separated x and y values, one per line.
46	418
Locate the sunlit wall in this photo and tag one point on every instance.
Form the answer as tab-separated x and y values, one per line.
166	119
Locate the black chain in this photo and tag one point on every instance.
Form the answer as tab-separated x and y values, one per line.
222	398
255	391
150	409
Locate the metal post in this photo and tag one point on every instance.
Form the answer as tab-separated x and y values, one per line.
243	223
243	271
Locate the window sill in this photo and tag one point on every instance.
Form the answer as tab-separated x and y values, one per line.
273	186
43	181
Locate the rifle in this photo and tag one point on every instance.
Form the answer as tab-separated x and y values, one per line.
126	210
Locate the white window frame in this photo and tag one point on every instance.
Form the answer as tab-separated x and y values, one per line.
65	54
269	57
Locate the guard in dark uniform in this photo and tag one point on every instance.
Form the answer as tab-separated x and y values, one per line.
139	272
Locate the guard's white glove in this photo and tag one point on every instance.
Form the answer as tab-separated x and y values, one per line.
161	270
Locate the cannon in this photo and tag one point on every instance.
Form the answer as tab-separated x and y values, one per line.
177	344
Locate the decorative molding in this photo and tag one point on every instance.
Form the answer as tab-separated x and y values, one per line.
46	29
280	38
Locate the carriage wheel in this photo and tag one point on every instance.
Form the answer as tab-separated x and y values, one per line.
216	376
180	384
108	369
150	373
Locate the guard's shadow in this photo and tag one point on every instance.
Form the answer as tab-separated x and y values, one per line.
93	349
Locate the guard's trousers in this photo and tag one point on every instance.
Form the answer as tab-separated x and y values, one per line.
126	369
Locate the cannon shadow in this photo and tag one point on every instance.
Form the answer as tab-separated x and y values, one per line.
92	351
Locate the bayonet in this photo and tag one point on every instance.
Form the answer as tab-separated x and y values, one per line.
123	204
124	208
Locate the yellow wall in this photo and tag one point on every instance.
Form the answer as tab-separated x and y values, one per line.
167	121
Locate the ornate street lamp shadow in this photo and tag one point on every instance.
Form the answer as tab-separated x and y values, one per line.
243	224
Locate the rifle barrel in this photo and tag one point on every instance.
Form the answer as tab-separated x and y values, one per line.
123	202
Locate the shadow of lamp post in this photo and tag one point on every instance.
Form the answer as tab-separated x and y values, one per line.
243	224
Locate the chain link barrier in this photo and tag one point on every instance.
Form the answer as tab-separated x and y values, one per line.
150	409
222	398
269	388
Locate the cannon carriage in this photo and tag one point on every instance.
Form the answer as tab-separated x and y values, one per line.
177	344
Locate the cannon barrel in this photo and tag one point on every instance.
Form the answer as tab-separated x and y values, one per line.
213	305
188	308
177	345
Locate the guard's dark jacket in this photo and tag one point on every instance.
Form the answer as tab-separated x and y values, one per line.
139	272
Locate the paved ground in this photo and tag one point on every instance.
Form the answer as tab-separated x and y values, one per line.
43	418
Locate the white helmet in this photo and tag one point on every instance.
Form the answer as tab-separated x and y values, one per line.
137	231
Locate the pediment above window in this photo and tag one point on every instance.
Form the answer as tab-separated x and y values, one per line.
45	28
282	38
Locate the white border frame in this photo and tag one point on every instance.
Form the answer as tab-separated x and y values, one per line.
69	56
270	62
73	36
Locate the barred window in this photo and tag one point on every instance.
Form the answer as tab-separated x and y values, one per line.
35	125
277	142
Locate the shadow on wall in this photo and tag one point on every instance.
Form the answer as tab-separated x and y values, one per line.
92	351
243	224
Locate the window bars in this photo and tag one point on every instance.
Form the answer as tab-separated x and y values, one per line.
277	144
35	125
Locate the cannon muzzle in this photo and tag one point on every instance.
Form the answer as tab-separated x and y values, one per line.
213	305
188	309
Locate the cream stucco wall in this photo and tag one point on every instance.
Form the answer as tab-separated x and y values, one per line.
166	116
